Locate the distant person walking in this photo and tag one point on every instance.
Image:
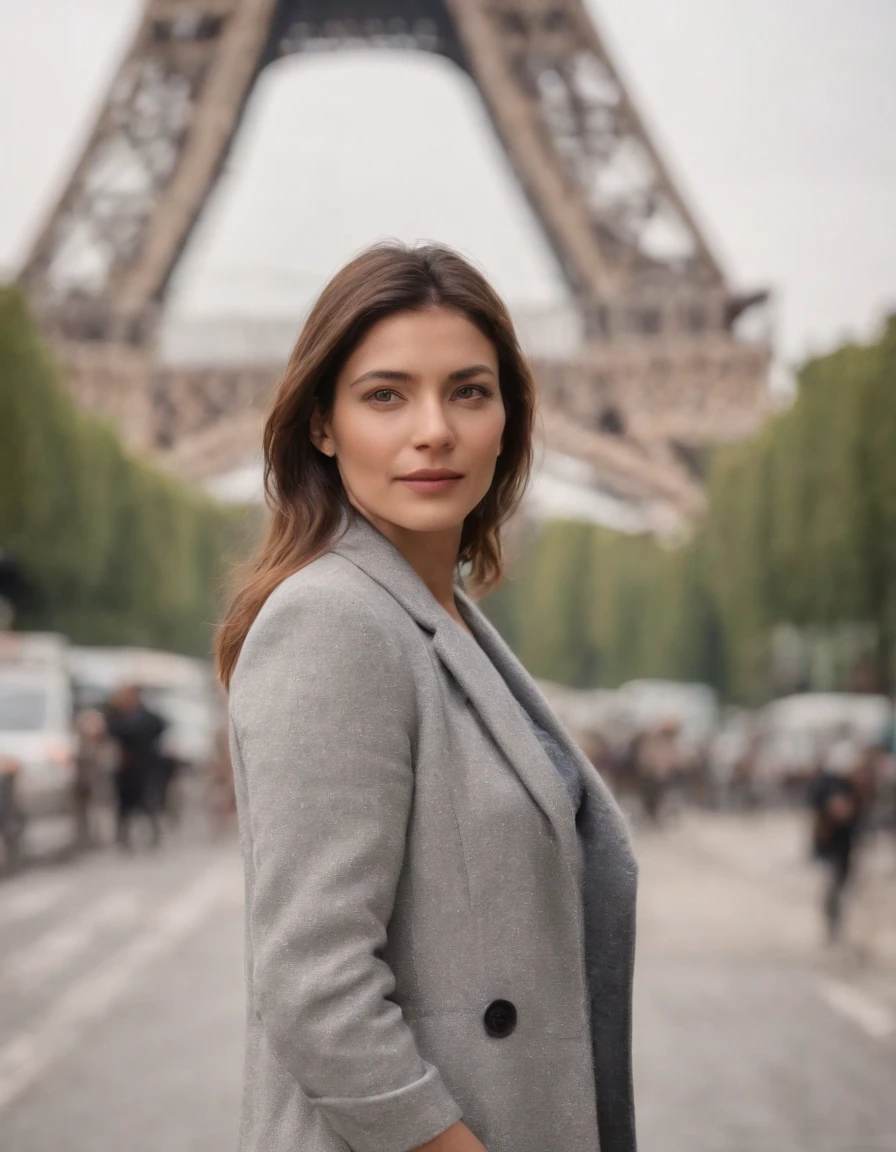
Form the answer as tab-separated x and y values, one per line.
836	802
139	775
657	763
90	730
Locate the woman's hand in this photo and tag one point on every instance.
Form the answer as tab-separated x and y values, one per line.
457	1138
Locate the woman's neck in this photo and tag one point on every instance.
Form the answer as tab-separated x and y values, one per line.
432	555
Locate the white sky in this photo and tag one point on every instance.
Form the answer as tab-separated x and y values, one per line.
776	115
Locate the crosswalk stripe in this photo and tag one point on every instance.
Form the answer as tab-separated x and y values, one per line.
25	1057
35	900
61	946
869	1014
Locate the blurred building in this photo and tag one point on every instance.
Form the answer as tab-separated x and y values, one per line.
651	364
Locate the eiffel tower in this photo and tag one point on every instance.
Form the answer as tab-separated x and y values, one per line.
661	371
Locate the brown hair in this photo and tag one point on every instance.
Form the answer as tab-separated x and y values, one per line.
303	489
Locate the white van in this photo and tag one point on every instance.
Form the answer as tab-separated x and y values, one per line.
38	743
694	706
795	731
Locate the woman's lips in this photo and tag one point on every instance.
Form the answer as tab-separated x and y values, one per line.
437	485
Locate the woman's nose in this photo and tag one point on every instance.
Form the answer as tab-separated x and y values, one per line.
432	425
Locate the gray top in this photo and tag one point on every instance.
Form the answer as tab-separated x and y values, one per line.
569	773
590	838
562	761
615	1096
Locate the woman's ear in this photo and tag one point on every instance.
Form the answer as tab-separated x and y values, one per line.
319	433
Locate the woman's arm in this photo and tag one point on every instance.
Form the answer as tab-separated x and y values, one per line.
323	711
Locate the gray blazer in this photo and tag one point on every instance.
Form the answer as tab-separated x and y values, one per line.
418	948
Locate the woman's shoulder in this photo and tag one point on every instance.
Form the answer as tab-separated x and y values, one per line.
329	580
330	593
327	613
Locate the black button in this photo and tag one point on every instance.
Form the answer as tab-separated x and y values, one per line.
500	1018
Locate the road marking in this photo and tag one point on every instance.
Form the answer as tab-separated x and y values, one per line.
47	956
870	1015
29	1054
31	902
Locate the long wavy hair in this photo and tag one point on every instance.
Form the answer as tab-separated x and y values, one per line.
303	489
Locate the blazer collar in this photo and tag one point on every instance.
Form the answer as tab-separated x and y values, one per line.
477	666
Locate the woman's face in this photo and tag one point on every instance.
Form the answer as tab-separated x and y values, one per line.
418	395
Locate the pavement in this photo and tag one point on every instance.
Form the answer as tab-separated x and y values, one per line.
751	1033
121	998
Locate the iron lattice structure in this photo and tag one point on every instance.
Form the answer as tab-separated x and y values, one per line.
661	362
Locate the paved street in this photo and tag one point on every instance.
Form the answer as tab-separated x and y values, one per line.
121	1001
751	1035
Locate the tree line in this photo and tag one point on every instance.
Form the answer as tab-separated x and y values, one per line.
106	548
799	542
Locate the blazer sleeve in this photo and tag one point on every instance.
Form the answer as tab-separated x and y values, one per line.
323	713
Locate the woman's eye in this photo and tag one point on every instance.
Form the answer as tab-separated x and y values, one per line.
382	395
475	389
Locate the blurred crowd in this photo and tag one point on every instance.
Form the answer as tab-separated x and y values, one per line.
115	746
662	743
661	746
102	747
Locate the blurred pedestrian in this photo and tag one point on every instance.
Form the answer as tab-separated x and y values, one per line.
744	791
836	802
139	775
220	790
603	756
90	731
12	820
170	781
657	764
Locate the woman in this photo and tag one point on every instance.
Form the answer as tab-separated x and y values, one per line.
439	889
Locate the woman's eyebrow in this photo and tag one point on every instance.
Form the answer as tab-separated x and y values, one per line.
383	374
406	377
473	370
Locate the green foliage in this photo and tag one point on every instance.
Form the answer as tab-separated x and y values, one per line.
801	531
115	552
585	606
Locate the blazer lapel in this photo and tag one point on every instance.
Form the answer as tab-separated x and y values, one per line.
530	695
470	665
477	668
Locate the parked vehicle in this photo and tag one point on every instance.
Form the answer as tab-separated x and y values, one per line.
38	743
731	757
795	732
694	707
180	688
589	712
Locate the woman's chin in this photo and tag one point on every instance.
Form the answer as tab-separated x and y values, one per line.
432	516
